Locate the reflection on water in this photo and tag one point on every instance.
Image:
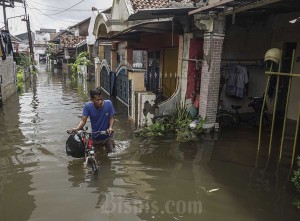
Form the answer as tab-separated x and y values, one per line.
148	179
15	167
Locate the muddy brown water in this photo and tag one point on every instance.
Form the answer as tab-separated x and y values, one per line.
146	179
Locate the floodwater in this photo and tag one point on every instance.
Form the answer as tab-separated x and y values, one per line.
158	179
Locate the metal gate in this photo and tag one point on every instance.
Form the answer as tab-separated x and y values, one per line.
153	77
122	86
105	80
275	56
130	98
1	102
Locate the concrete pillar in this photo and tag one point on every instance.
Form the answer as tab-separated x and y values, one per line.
101	52
184	49
210	79
114	55
129	55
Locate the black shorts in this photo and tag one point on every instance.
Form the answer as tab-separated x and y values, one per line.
108	143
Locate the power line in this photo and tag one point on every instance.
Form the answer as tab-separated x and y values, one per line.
67	8
50	6
45	9
58	20
42	13
36	19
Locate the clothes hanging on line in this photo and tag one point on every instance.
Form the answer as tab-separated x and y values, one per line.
6	47
236	81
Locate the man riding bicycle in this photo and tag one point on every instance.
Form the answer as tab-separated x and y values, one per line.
101	113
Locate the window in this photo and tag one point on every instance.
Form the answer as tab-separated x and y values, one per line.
139	60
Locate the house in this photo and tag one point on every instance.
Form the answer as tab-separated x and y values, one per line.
149	40
63	44
7	69
81	29
24	37
183	47
19	46
42	37
69	43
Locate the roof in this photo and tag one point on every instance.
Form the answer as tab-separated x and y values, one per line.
152	4
107	11
147	28
24	36
46	30
60	33
15	39
71	41
80	23
145	14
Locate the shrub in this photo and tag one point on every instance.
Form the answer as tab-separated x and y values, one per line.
177	123
20	79
296	181
80	60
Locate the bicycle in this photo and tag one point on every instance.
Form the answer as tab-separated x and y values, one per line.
84	148
233	118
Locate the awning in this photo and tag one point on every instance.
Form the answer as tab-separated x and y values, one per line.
134	32
146	14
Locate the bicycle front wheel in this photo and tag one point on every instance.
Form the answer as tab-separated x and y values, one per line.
93	164
226	120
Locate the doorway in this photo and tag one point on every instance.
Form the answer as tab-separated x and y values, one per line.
169	78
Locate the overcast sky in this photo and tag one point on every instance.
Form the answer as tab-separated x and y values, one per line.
51	13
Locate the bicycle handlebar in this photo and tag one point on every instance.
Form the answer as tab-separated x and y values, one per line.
103	132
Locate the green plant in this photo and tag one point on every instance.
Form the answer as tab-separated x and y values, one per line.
178	123
33	70
20	79
52	50
80	60
24	61
296	181
296	176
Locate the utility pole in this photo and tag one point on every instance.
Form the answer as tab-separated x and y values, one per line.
29	33
4	15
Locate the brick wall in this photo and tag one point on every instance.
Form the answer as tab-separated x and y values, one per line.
8	86
210	79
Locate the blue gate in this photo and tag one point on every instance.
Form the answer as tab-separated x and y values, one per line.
105	80
122	86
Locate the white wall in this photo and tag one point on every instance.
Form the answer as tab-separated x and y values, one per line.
42	38
7	73
120	10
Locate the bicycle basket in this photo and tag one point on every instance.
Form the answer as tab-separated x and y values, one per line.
74	146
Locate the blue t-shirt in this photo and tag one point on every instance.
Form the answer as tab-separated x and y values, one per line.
99	117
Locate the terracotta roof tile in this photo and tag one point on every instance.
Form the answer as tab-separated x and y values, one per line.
71	41
152	4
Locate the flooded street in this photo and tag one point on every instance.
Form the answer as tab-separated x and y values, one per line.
146	179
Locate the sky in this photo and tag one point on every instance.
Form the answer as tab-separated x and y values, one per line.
51	14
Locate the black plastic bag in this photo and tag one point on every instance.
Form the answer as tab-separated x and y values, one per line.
75	146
